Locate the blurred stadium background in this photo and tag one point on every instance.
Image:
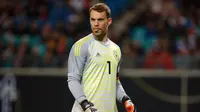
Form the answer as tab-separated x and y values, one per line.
159	39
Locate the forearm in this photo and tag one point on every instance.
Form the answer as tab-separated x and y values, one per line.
123	98
76	89
120	91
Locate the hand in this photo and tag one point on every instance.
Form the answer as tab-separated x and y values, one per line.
129	106
88	106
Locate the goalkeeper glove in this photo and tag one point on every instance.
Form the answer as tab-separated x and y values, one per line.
128	104
88	106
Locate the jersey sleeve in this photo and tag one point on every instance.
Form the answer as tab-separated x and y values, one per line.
76	61
119	63
119	88
118	69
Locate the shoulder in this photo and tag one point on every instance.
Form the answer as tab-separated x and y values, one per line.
116	49
82	44
84	40
114	45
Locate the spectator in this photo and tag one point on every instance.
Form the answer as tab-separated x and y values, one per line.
186	44
198	53
159	57
8	56
21	52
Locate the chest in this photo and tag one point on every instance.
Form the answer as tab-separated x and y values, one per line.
102	54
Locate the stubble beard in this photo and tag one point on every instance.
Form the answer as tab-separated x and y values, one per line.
99	35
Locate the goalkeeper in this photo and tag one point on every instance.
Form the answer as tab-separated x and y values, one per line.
93	67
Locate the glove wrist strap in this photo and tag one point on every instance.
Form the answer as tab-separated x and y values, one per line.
85	104
125	98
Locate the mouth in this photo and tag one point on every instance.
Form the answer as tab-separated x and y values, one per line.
96	29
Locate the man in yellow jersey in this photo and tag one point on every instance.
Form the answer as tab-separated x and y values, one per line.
93	67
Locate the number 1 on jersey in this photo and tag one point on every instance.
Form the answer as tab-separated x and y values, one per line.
109	67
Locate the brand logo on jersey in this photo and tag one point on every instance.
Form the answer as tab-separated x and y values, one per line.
98	55
98	59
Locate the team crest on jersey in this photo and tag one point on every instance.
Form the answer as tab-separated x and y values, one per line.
116	55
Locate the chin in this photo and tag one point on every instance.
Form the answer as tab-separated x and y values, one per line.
98	36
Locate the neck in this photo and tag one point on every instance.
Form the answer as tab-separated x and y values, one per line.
103	39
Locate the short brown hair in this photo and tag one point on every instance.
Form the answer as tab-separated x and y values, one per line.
101	7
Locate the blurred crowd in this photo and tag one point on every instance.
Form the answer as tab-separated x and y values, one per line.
40	33
166	35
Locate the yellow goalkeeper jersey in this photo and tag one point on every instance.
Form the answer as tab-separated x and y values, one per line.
96	63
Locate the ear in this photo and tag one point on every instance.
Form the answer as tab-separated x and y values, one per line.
109	21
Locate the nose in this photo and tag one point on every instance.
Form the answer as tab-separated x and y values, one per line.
96	23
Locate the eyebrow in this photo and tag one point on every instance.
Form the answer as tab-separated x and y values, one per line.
97	18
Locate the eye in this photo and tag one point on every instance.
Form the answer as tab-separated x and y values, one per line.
100	20
92	19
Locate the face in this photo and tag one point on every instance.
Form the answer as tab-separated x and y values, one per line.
99	24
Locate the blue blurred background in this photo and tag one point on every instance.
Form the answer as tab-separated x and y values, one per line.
161	34
159	39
